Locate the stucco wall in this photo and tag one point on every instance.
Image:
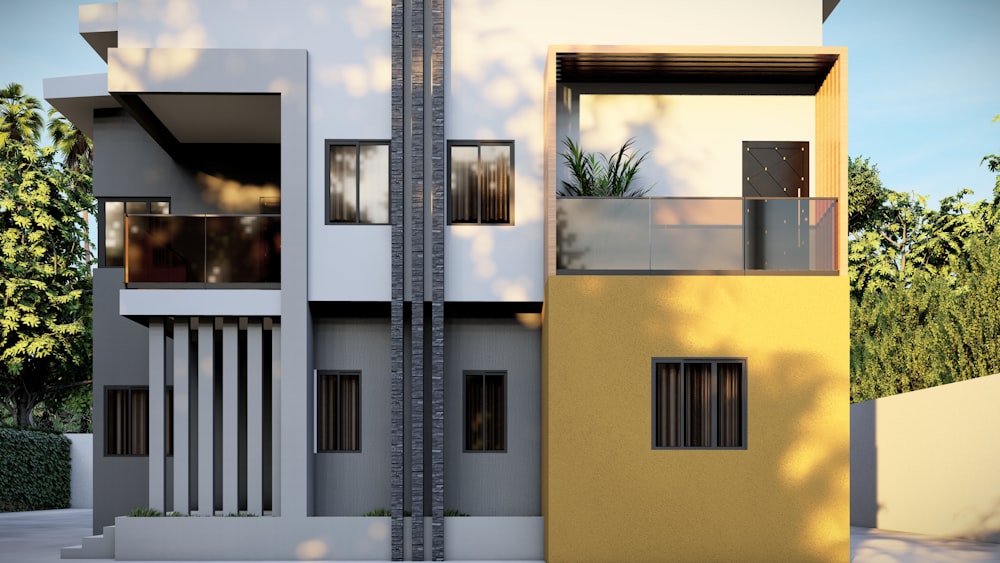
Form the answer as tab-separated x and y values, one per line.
81	476
927	461
607	495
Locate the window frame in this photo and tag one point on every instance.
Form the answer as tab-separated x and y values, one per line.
102	256
168	427
357	144
317	408
479	144
714	361
465	410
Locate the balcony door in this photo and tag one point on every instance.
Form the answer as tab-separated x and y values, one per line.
777	224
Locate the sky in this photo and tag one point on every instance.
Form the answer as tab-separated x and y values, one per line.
923	80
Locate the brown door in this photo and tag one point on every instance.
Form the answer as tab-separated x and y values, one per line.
775	176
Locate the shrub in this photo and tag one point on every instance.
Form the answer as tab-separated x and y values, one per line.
34	470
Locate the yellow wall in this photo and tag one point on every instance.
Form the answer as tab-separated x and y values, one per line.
608	496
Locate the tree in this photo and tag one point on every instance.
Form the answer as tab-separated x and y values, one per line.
78	156
20	116
45	327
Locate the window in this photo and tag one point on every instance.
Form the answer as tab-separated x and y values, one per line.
338	412
699	403
111	226
481	185
485	411
357	182
127	421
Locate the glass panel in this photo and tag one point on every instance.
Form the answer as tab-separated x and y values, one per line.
159	207
697	405
730	394
791	234
667	398
823	234
343	183
602	233
139	422
496	183
696	234
374	187
463	198
495	410
136	207
474	433
166	249
325	421
114	234
350	419
116	408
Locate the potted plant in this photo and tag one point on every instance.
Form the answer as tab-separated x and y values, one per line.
599	175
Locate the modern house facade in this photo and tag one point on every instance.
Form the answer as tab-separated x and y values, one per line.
335	279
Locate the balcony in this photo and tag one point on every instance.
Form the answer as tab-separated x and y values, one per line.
695	235
203	251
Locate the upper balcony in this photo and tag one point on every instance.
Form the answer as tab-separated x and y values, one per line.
696	235
203	251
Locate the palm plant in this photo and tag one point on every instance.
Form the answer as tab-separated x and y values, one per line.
78	156
598	175
20	115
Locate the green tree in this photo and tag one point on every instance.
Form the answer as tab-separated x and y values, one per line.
45	334
78	156
20	116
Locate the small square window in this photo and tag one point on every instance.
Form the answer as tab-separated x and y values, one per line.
357	182
126	427
481	182
338	412
699	404
485	411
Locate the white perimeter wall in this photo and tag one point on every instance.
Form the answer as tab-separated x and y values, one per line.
494	79
928	461
81	477
349	80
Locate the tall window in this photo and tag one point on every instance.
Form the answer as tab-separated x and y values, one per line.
111	225
481	181
357	182
699	403
485	411
338	412
127	421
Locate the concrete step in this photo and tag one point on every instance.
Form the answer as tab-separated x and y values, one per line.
93	547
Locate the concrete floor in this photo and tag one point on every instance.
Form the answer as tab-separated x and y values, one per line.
36	537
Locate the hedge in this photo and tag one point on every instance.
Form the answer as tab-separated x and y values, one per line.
34	470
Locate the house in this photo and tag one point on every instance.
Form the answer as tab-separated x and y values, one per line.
335	277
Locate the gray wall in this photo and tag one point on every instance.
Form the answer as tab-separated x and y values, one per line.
121	357
352	483
494	483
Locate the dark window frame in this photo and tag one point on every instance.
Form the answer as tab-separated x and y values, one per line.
357	144
714	401
335	414
482	375
102	257
168	397
479	144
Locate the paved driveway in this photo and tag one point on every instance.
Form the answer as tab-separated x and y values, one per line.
36	537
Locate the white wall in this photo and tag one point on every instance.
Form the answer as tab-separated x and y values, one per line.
81	477
695	143
349	78
494	78
927	461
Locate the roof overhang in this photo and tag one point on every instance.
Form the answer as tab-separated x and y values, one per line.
76	97
99	26
692	67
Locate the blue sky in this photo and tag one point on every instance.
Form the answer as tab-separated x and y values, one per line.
924	83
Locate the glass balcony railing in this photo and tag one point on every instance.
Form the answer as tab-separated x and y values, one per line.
206	250
696	234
